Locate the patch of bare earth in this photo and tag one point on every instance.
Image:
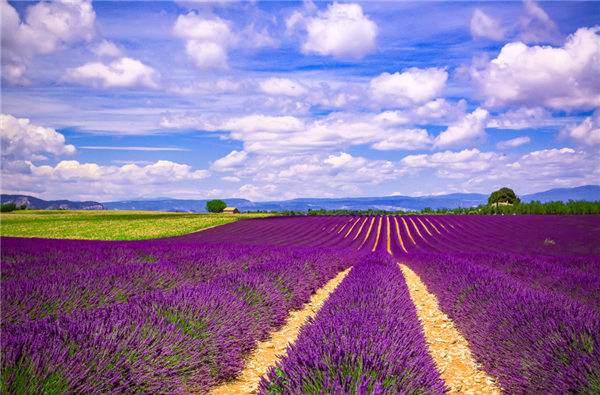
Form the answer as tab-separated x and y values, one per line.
447	346
268	353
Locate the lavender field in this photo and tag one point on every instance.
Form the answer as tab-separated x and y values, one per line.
85	316
369	340
181	314
300	197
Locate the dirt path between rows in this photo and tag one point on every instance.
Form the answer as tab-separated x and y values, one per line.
268	353
447	346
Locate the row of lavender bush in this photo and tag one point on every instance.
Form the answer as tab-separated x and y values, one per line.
560	235
71	269
575	277
43	277
365	339
173	320
533	340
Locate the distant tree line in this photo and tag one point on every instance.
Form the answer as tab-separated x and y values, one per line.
501	202
534	207
8	207
342	212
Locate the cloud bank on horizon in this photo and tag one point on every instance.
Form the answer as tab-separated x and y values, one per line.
278	100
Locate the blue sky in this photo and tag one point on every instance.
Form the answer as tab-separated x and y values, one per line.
277	100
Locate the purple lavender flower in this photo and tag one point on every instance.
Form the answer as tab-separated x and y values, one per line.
365	339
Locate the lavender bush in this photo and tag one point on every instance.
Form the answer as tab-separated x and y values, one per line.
145	316
533	340
556	235
179	314
572	277
365	339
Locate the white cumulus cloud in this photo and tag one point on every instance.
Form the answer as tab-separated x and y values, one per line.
270	176
562	78
22	140
471	170
340	160
70	178
279	135
554	167
108	49
256	192
121	73
450	164
467	131
586	133
520	118
413	86
263	124
207	54
405	139
438	111
47	27
207	39
230	162
197	27
341	31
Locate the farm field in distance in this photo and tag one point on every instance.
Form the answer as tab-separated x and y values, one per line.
109	225
183	313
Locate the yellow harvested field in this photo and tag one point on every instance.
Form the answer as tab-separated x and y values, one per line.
109	225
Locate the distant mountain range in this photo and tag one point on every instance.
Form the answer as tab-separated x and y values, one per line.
591	193
39	204
391	203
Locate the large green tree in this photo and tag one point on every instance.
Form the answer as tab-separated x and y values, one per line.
215	206
504	195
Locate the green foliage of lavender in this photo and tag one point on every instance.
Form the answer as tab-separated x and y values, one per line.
145	316
365	339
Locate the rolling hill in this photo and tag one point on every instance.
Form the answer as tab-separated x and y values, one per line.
390	203
40	204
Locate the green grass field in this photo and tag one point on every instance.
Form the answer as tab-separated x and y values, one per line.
109	225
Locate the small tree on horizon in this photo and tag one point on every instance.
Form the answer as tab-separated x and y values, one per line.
215	206
504	195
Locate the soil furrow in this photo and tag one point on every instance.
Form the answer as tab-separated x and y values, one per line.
447	346
268	353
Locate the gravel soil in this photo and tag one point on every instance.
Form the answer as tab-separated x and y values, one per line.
447	346
268	353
